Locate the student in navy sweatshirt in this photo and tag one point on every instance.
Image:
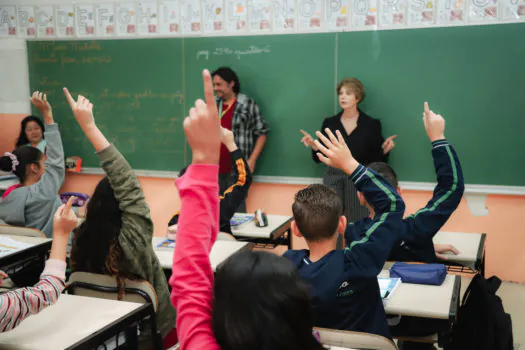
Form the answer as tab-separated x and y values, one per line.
415	243
344	283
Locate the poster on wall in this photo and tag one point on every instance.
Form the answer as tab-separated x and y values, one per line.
105	19
126	18
191	17
45	21
337	14
85	20
169	17
513	10
65	21
284	15
260	15
26	21
421	12
393	13
310	14
147	17
364	14
483	10
236	16
451	12
8	21
213	16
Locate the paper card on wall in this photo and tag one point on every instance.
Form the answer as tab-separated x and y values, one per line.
8	27
393	13
451	12
337	14
191	17
85	20
421	12
147	17
213	16
365	14
45	21
483	10
65	21
513	10
105	19
260	15
310	14
126	18
26	21
284	15
169	17
236	16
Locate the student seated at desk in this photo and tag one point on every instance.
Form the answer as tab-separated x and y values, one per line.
234	195
18	304
344	283
115	239
258	300
33	202
418	230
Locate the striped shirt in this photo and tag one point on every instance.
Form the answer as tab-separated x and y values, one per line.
20	303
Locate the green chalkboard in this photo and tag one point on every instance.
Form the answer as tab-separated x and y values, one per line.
472	75
136	88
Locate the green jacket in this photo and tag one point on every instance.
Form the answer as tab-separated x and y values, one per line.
136	233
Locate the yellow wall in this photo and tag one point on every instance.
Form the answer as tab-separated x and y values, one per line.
505	235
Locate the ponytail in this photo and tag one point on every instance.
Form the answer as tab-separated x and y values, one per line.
18	161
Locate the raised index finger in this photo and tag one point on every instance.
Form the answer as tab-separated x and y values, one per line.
426	108
70	99
208	89
68	206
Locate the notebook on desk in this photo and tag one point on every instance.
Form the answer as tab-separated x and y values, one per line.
167	243
238	219
8	246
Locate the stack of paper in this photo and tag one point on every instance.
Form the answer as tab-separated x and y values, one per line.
9	245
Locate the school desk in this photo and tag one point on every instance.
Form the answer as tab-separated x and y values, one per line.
7	181
278	231
426	301
77	322
220	251
38	248
471	246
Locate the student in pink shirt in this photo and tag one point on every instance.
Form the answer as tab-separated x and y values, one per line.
258	300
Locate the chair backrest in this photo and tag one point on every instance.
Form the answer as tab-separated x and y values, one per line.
105	287
20	231
357	340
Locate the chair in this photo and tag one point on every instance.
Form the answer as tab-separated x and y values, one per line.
358	340
20	231
105	287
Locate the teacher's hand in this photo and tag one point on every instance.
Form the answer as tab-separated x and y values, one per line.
308	140
389	144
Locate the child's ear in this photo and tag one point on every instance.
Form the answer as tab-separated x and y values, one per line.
34	168
400	191
341	226
362	199
295	230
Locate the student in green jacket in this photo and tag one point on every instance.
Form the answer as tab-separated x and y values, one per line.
115	239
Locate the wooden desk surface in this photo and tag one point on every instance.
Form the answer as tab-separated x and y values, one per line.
249	230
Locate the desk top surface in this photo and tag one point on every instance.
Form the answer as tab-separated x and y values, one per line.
8	181
61	325
30	241
248	229
220	251
467	244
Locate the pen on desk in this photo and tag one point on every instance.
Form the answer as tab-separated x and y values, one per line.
7	246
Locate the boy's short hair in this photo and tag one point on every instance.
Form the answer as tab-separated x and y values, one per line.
386	172
316	210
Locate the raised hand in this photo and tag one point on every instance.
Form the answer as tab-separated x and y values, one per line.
434	124
202	127
389	144
228	139
336	153
82	110
308	140
65	219
39	100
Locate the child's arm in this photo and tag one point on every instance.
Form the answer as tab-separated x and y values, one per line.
17	305
426	222
192	277
55	168
235	194
369	254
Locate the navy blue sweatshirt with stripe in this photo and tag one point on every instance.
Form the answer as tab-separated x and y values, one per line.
343	283
418	230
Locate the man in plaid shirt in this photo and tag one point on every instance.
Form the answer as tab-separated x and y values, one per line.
240	114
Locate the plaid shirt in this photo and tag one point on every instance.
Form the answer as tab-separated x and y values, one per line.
247	124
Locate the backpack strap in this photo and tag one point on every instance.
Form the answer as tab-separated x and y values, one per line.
493	284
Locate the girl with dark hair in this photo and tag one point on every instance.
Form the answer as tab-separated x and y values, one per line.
115	238
33	202
32	130
258	301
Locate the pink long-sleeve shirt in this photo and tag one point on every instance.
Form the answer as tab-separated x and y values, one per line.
18	304
192	276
